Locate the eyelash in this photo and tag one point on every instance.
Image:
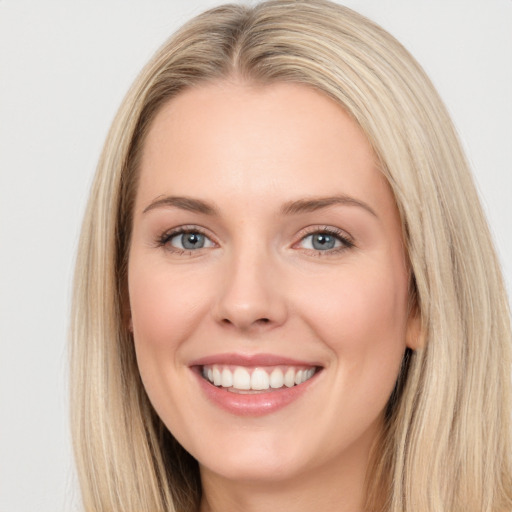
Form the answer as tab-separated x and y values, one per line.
346	241
164	239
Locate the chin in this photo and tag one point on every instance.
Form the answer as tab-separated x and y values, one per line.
253	466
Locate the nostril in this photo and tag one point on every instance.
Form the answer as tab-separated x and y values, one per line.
260	321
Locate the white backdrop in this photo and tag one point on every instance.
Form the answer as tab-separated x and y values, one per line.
64	67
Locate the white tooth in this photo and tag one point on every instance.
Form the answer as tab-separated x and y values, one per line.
276	379
289	377
227	378
217	379
204	372
298	377
311	372
259	379
210	374
241	379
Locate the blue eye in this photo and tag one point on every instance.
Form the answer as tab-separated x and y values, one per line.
189	240
325	241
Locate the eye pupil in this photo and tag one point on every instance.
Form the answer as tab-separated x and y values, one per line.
192	240
321	241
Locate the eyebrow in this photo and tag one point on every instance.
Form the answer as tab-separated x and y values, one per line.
290	208
184	203
318	203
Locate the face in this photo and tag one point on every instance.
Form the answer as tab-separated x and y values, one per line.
267	281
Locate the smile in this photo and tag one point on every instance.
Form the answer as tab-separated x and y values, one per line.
254	385
243	379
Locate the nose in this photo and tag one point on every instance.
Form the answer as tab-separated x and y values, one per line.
252	294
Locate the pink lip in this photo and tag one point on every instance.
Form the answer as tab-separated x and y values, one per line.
257	404
251	360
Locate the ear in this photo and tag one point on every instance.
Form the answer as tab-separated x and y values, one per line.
414	335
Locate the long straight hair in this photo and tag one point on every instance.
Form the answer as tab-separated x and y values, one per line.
446	443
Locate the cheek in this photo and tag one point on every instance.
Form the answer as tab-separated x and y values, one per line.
357	304
165	313
163	308
361	316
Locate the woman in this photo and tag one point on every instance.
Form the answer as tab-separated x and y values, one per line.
286	293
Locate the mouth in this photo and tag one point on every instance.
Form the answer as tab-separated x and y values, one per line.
256	379
254	384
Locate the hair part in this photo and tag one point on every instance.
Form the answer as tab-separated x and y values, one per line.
446	445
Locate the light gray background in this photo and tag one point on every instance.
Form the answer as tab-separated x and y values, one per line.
64	67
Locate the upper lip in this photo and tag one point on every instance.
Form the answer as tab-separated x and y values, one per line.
251	360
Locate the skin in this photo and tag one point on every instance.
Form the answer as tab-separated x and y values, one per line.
259	286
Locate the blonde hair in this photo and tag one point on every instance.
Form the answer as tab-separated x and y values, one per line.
446	446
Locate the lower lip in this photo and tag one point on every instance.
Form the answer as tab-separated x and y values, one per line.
253	404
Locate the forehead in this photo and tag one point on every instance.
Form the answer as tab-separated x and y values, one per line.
230	138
